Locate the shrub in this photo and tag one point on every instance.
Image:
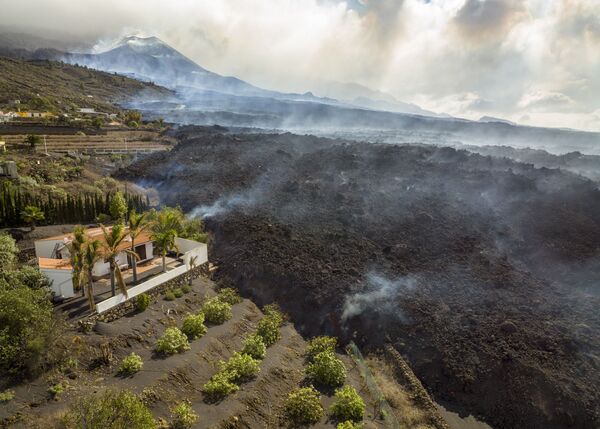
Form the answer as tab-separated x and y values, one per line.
230	296
240	366
326	369
28	329
169	295
348	404
184	416
193	326
219	386
186	289
348	424
131	364
272	311
56	389
216	311
255	347
8	251
142	302
320	344
178	292
303	406
111	409
268	330
7	396
173	341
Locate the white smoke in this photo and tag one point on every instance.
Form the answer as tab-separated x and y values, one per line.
380	296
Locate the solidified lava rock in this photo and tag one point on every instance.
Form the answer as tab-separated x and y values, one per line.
482	271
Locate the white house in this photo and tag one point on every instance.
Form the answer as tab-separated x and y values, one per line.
54	258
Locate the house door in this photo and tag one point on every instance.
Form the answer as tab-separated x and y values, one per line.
141	252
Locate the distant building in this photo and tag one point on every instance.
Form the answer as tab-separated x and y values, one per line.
87	110
2	146
34	114
9	169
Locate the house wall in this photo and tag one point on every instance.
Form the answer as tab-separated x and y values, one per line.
102	268
190	249
149	251
44	248
62	282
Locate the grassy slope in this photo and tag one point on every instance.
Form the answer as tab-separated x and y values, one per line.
49	85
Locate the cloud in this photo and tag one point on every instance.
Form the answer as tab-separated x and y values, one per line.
493	57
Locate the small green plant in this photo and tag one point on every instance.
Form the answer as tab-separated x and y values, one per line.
142	302
303	406
193	326
326	369
320	344
7	396
184	416
170	296
230	296
219	386
272	311
268	330
186	289
56	389
131	364
240	366
177	292
255	347
173	341
348	405
348	424
216	311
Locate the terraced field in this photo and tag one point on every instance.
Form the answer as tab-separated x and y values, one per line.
165	381
111	142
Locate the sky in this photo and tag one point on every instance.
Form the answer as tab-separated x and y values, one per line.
536	62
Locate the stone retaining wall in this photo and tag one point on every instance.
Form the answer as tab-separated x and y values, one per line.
130	305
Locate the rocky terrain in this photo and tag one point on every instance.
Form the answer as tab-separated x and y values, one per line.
482	271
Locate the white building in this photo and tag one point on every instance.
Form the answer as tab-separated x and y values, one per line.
54	258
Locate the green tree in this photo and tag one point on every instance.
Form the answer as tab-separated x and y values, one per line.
97	122
164	232
118	207
91	253
8	252
75	248
33	140
31	215
112	246
137	225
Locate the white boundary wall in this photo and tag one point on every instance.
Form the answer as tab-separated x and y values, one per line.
200	250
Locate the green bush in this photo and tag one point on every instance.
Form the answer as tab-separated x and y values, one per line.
173	341
193	326
178	292
273	312
348	424
7	396
303	406
320	344
184	416
28	328
8	251
230	296
240	366
255	347
56	389
216	311
142	302
268	330
219	386
131	364
348	405
112	409
186	289
169	295
326	369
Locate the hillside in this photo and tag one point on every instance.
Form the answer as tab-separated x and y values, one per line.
58	87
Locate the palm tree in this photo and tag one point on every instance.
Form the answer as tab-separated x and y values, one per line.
75	248
91	253
193	263
137	225
31	215
113	238
164	233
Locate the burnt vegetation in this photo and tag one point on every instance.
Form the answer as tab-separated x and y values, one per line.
482	271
